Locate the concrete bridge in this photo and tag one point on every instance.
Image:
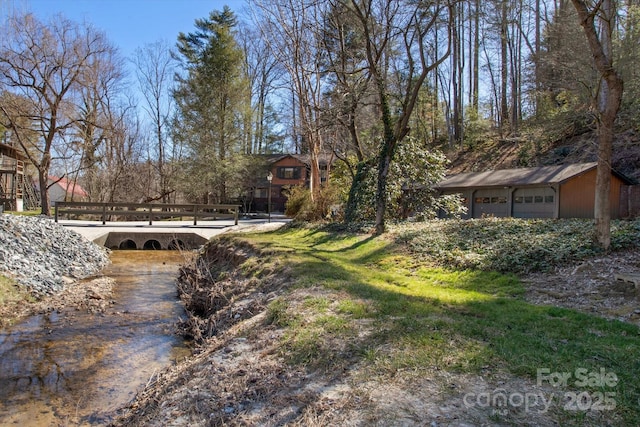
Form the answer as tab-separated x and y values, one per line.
161	234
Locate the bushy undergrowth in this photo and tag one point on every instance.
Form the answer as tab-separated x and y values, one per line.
511	244
300	206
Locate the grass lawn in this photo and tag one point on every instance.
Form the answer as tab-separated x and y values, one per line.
459	320
27	213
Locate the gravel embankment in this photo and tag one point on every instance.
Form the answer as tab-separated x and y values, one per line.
42	256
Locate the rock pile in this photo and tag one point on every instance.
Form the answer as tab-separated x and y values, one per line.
43	256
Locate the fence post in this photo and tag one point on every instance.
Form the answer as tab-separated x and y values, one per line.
150	214
195	214
104	213
56	207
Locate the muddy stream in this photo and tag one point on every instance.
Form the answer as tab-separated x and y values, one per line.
75	368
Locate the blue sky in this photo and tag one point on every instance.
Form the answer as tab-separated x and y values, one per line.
129	24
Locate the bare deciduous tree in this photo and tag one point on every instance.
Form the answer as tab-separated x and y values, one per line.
45	66
155	70
410	27
291	29
263	70
101	84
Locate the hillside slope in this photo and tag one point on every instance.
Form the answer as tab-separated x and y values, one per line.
527	152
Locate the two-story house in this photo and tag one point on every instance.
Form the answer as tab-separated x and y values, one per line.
287	170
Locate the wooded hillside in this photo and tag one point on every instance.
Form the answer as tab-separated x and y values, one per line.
495	153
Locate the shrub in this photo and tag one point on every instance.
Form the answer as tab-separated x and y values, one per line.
300	206
416	169
298	200
511	244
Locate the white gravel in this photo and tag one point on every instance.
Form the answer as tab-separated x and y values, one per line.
43	256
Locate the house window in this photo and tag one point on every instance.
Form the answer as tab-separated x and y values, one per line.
548	199
538	199
261	193
289	172
518	199
323	173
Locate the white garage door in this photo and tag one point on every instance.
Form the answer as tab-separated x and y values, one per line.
490	203
534	202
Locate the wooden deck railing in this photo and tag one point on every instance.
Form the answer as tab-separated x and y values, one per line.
150	211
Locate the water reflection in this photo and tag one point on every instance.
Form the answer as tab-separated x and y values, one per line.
75	368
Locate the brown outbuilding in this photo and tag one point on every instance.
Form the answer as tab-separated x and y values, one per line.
12	178
564	191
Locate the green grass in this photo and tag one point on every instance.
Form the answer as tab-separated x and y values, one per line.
35	212
10	293
424	317
8	290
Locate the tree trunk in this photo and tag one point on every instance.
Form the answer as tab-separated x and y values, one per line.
613	88
314	185
381	191
476	59
455	79
43	176
536	63
602	209
504	68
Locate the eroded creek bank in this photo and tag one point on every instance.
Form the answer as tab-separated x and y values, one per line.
76	366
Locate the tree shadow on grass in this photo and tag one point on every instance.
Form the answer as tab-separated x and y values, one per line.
471	327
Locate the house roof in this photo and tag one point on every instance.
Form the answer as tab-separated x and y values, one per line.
541	175
69	187
323	158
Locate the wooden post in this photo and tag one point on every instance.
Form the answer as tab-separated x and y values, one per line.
104	213
150	214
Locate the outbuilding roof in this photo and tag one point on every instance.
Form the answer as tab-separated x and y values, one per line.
541	175
11	151
69	187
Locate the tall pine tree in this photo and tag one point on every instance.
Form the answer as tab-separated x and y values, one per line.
210	99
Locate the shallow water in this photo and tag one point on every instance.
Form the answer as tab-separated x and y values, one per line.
76	368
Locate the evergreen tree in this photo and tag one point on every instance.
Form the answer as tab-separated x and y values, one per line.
210	99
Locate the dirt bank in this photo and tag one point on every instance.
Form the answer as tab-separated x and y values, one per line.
92	295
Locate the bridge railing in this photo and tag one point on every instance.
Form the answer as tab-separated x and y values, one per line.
150	211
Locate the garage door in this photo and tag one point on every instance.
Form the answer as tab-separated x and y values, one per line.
534	202
490	203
